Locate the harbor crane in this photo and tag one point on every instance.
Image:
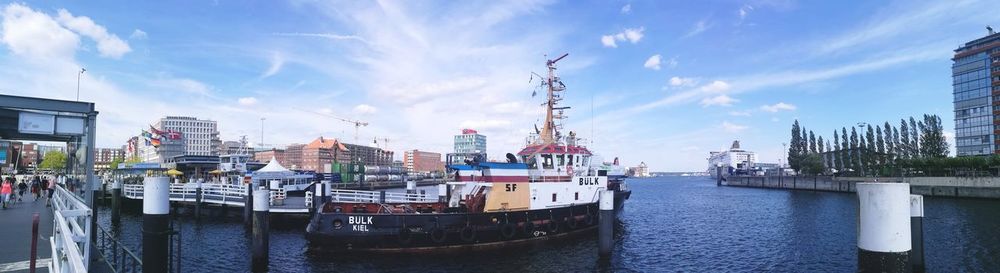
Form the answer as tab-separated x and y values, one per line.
357	123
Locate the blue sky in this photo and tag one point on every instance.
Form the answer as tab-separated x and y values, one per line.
669	81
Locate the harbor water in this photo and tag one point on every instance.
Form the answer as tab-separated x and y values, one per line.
671	224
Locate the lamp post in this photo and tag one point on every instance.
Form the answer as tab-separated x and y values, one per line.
78	76
262	132
861	159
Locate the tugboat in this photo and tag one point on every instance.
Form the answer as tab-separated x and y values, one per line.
550	189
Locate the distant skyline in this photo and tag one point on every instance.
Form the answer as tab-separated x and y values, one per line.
669	81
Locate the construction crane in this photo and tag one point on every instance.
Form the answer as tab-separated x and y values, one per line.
357	123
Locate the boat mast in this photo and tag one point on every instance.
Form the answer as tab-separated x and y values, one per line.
549	133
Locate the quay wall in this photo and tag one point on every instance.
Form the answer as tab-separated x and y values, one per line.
962	187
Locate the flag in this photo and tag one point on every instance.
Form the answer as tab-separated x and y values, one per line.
171	134
146	134
534	92
154	130
155	142
147	142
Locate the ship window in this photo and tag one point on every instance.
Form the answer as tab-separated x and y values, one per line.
547	161
560	160
530	160
577	196
553	197
570	157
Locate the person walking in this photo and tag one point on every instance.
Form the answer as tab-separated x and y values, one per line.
51	190
5	191
36	188
21	189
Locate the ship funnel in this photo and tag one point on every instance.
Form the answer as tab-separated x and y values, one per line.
736	145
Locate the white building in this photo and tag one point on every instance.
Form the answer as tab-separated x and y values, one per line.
197	137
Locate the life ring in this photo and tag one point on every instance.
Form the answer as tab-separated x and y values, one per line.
529	228
507	230
571	222
468	234
438	235
404	237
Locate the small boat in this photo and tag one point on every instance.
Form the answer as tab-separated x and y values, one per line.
549	190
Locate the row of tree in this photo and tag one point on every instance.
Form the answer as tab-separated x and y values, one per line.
877	150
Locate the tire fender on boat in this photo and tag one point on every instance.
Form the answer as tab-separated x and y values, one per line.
529	228
553	225
571	222
404	237
468	234
438	235
507	230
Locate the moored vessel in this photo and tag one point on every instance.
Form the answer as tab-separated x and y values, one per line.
548	190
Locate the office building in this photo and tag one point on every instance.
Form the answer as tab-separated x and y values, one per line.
180	136
470	141
421	161
976	89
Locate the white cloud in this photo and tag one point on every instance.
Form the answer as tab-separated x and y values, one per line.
330	36
632	35
36	35
487	124
182	84
672	63
364	109
682	81
698	28
653	62
739	113
778	107
277	61
743	12
626	9
732	127
720	100
247	101
138	34
716	87
109	45
608	41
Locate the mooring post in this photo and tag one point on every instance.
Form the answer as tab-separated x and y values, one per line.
34	242
718	175
197	199
442	193
411	186
248	205
884	227
261	229
116	201
155	224
917	232
606	224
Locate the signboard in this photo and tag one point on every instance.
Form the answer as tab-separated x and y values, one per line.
35	123
3	157
69	125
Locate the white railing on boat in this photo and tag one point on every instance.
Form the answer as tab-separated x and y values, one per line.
70	239
354	196
210	192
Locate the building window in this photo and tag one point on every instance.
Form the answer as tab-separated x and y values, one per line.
553	197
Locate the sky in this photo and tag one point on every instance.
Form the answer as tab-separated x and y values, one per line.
660	82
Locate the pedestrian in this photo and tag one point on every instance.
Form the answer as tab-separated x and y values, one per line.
21	189
36	189
5	191
51	190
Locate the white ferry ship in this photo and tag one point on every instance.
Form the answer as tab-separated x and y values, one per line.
732	161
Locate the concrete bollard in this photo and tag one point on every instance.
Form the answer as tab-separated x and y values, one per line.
116	201
442	193
917	233
248	206
155	224
883	227
411	186
718	175
606	225
261	229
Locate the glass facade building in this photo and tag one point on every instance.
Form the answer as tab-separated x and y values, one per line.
976	90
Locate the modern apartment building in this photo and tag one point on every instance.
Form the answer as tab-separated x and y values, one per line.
421	161
185	136
104	156
976	89
470	141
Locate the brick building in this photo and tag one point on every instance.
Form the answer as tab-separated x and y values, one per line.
421	161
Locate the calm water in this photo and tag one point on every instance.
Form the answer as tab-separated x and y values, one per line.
672	224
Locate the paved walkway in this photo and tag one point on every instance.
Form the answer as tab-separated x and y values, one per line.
15	235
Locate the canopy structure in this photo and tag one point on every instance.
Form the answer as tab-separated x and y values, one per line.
273	170
174	172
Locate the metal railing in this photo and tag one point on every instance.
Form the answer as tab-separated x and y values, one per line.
119	258
210	192
375	196
70	239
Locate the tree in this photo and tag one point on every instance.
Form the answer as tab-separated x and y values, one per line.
845	153
830	156
115	162
895	143
837	163
819	145
812	164
879	146
914	139
904	139
855	155
812	143
871	151
53	160
932	140
794	152
889	145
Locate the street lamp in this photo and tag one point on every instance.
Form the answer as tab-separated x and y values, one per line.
262	132
78	76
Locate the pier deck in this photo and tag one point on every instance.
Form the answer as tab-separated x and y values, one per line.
15	224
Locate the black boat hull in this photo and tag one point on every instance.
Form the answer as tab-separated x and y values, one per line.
443	232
